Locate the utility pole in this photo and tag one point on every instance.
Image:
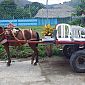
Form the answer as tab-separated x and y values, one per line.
47	9
30	10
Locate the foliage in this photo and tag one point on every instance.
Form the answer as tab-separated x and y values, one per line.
20	52
80	8
47	31
1	49
37	6
33	8
56	51
26	51
10	10
75	22
19	13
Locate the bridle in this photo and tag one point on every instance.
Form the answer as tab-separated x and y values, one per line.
2	33
2	36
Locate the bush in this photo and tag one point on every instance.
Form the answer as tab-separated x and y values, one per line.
1	49
75	22
26	51
55	51
41	49
20	52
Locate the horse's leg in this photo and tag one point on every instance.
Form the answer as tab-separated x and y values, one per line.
37	58
35	54
32	59
6	46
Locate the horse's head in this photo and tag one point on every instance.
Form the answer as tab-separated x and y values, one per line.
11	33
1	30
2	36
7	31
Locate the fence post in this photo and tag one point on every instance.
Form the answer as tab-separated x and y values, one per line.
17	22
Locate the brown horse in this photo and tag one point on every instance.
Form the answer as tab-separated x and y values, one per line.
10	34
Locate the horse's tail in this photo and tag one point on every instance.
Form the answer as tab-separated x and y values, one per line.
38	38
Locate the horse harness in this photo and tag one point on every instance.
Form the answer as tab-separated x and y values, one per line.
4	40
23	33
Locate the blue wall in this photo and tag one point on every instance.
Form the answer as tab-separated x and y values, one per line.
29	22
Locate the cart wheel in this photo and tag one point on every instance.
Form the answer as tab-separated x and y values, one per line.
77	61
69	49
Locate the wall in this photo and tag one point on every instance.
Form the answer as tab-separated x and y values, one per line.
29	22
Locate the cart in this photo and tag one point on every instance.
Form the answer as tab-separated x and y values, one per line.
73	41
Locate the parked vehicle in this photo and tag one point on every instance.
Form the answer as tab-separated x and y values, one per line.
72	37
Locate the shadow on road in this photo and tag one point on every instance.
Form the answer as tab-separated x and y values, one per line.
59	66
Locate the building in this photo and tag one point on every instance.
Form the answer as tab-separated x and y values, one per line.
61	12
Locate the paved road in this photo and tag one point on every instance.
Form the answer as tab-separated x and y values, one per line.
50	71
58	72
20	73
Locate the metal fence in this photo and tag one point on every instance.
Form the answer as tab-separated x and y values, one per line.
26	13
29	22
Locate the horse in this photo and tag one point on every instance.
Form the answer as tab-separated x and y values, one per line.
9	34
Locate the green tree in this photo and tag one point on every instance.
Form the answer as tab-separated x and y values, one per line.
1	13
27	13
8	8
33	8
81	8
27	9
19	13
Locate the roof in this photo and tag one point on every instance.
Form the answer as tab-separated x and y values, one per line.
57	12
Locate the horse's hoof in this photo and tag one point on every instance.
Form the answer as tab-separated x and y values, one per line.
31	62
35	64
8	64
